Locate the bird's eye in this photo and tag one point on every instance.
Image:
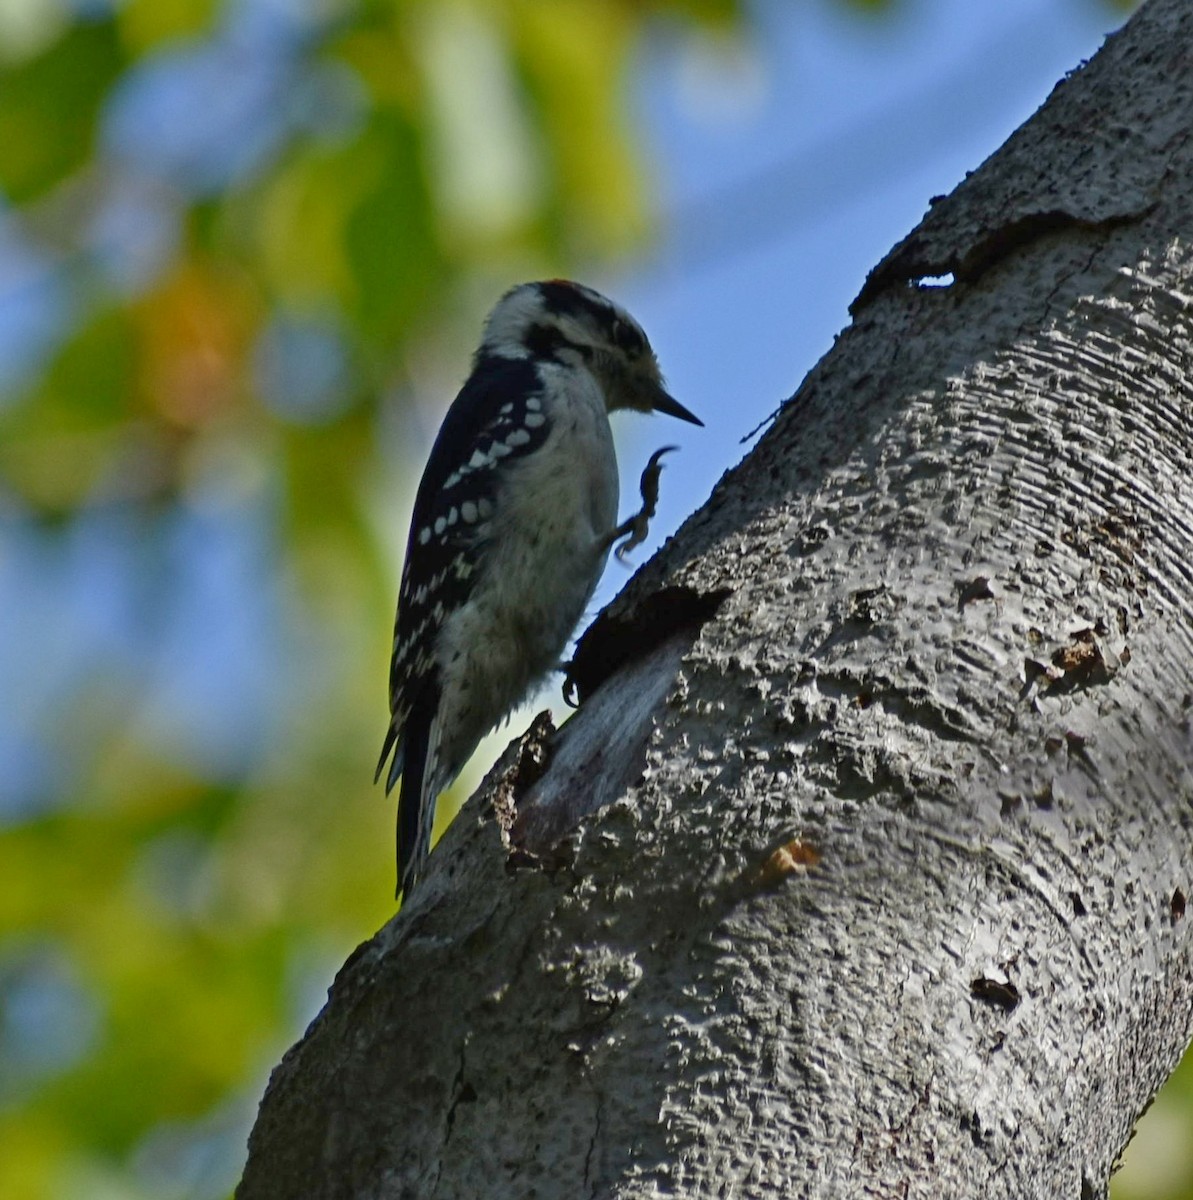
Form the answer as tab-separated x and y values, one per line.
628	338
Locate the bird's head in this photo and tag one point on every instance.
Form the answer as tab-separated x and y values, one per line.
557	320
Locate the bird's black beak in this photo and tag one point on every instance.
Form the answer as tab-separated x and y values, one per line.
666	403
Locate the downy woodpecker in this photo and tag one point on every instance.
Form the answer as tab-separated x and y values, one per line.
512	524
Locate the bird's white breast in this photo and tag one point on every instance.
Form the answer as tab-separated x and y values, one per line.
548	542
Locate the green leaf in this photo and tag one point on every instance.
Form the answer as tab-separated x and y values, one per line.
390	238
49	105
58	441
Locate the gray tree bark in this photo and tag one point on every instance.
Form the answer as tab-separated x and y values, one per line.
861	870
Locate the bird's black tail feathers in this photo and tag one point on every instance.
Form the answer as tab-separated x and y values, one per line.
412	762
391	736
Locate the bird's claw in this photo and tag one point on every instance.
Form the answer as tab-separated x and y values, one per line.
638	525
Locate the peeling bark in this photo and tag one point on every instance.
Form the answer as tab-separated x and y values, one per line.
886	894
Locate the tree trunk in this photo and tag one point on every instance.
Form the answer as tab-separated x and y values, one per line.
862	868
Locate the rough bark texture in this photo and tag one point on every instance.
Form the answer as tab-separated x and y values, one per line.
886	896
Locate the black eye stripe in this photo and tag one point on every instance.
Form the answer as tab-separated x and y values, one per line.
628	337
545	341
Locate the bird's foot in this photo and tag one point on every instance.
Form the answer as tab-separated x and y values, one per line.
635	529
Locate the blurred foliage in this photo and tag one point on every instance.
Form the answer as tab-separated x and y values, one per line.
240	243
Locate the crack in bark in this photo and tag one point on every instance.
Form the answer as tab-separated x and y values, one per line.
596	1133
462	1093
913	261
611	642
